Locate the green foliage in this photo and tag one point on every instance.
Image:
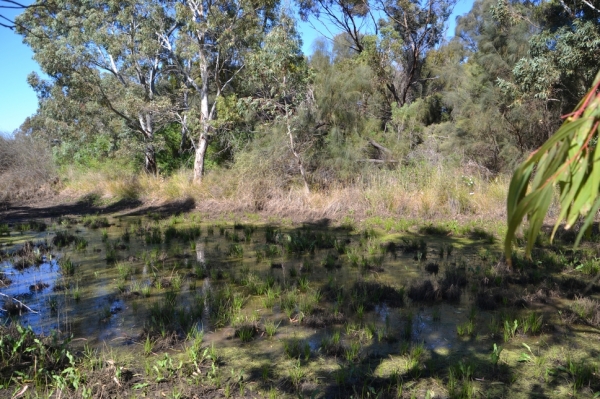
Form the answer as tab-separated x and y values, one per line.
39	359
272	118
172	154
569	159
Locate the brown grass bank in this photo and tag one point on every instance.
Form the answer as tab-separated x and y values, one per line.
423	192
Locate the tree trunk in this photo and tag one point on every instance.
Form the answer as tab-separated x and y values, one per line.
147	129
150	160
293	148
206	117
199	158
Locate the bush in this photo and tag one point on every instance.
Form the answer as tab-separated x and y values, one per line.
26	168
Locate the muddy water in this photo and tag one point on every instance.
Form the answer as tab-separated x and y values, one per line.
107	302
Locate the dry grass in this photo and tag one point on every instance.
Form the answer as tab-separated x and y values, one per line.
587	309
26	169
427	193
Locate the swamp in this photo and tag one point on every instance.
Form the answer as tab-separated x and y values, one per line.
308	199
183	306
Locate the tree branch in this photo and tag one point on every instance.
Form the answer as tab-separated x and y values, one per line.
17	301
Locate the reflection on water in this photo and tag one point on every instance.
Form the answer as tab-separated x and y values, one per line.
125	269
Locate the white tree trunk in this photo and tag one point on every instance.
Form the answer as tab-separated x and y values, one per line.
205	116
293	148
199	158
147	126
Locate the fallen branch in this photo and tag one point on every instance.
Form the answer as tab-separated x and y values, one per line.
384	151
19	302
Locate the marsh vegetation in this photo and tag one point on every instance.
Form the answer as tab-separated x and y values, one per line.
178	305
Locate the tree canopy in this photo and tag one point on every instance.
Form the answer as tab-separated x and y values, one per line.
204	84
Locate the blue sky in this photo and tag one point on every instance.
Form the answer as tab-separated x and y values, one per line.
18	100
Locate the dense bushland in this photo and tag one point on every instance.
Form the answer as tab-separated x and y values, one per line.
26	168
388	116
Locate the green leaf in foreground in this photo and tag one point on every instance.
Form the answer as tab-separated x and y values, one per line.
570	159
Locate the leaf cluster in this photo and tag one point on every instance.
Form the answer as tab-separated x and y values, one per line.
571	160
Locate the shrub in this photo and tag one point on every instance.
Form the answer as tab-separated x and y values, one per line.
26	168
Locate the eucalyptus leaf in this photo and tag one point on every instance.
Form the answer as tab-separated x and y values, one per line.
569	160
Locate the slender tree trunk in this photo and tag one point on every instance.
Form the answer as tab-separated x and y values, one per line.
293	148
205	122
150	160
199	158
147	128
184	127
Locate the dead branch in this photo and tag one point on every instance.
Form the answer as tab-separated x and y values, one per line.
19	302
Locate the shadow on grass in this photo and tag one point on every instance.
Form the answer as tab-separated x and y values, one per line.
89	205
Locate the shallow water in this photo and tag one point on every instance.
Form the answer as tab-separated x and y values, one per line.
315	283
103	304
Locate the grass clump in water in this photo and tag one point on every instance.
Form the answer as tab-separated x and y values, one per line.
67	267
95	221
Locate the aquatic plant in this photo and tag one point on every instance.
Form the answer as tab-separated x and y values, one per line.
352	351
331	344
153	235
111	254
124	270
296	374
330	262
466	328
67	267
170	233
80	243
236	251
248	231
176	282
148	346
510	329
353	255
271	328
246	332
414	245
532	323
63	238
292	272
95	221
295	348
77	294
303	284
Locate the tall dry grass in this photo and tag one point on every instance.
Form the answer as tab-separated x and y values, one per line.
26	169
424	192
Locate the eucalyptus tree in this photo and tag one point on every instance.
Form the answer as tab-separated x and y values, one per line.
212	41
570	160
279	76
107	53
563	48
411	29
80	131
488	125
396	45
5	5
352	17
